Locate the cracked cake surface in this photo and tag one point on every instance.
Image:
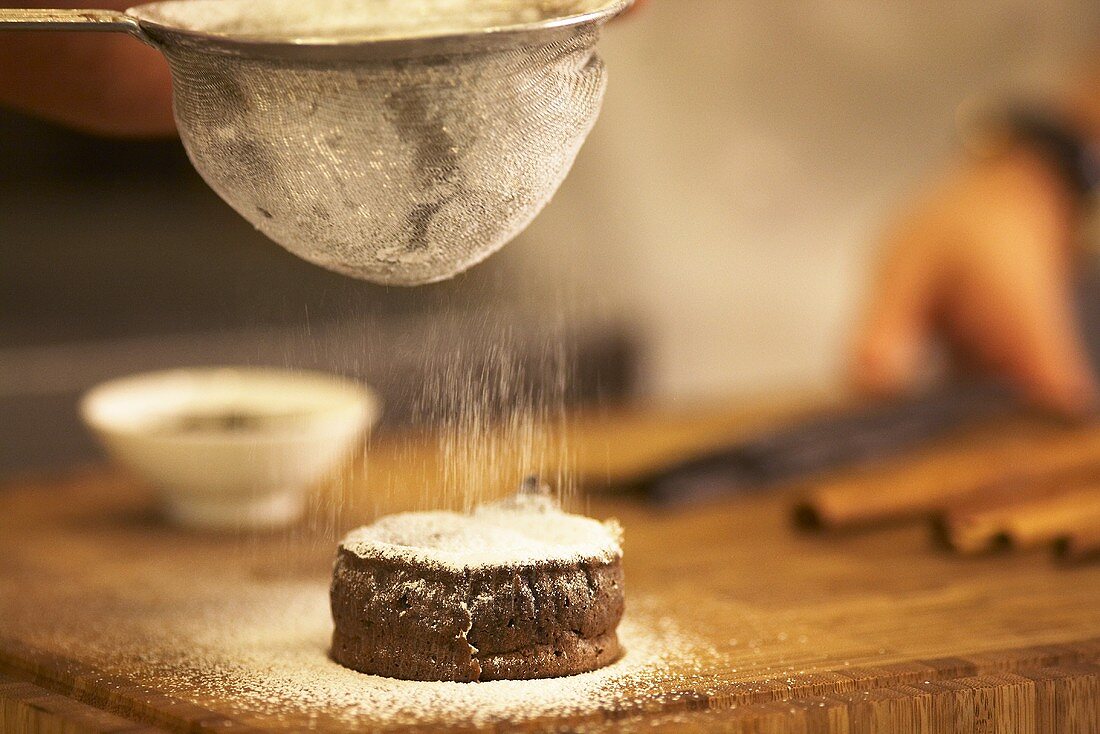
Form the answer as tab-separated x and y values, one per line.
516	589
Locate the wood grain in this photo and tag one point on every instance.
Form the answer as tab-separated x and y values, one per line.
850	633
26	707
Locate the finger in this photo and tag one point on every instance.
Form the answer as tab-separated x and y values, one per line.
896	325
1024	329
112	86
1050	362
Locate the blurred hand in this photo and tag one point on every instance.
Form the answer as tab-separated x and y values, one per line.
984	261
103	83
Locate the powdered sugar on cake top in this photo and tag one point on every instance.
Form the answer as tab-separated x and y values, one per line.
520	531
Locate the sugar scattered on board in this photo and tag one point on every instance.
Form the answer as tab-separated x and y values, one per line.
292	674
264	652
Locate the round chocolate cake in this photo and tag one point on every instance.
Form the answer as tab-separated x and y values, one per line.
516	589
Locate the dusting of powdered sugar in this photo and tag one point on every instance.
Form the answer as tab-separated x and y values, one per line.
277	666
523	530
259	654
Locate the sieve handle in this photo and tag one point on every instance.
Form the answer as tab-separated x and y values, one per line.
39	19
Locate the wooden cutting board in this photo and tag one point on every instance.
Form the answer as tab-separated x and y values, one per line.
110	621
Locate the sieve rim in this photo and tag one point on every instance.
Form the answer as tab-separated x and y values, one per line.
370	48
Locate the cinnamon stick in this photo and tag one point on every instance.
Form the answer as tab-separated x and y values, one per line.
1082	543
929	483
1021	519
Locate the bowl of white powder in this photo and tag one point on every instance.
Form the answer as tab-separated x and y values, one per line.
231	447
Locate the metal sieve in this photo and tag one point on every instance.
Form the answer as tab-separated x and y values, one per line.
399	141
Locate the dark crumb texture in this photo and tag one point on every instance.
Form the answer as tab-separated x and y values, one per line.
407	619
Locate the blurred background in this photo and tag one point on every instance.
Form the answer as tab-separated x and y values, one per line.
714	237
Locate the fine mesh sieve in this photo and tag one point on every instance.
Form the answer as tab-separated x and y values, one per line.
399	141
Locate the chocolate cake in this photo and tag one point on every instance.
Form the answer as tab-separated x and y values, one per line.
517	589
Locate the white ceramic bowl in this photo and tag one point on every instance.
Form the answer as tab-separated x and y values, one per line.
231	447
